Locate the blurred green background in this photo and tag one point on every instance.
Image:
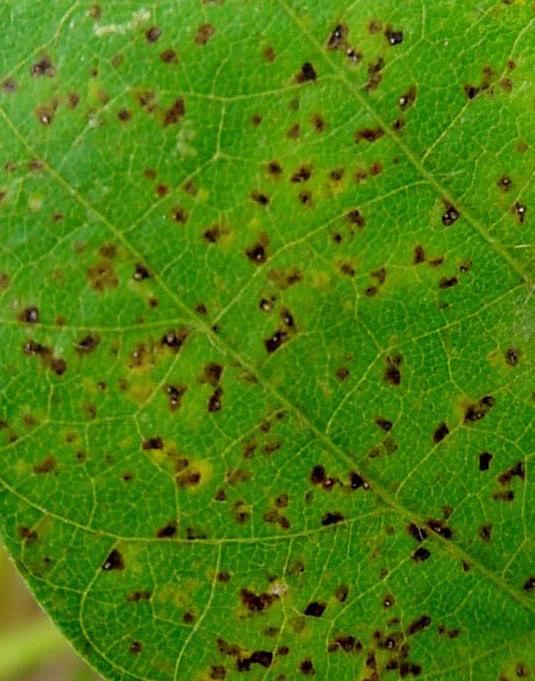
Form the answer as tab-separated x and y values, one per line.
31	649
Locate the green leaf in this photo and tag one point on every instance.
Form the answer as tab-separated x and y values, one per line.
267	334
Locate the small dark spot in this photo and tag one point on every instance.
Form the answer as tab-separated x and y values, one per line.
9	85
393	37
175	339
48	465
505	183
114	561
167	531
419	624
124	115
354	217
260	198
256	602
256	119
485	532
256	253
448	282
438	527
269	53
174	113
87	344
369	134
341	593
303	174
347	269
392	374
441	432
307	668
388	601
306	74
507	495
515	471
512	356
277	339
317	475
420	554
204	33
153	443
214	403
520	210
342	373
140	273
44	67
338	37
58	365
137	596
153	33
30	315
356	481
331	518
135	647
484	461
294	131
529	584
315	609
450	216
218	672
478	411
274	168
408	98
169	56
384	424
416	532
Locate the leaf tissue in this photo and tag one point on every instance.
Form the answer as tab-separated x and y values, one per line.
267	329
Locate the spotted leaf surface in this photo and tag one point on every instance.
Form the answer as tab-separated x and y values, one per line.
267	315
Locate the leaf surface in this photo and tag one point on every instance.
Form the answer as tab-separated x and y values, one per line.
266	279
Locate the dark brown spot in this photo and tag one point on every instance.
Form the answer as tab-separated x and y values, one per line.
384	424
419	624
441	432
478	411
277	339
124	115
153	33
529	584
175	339
269	53
307	668
438	527
354	217
515	471
392	373
342	373
416	532
218	672
167	531
48	465
448	282
450	216
520	210
135	647
274	168
306	74
408	98
214	402
341	593
356	481
369	134
204	33
394	37
256	602
484	461
175	112
420	554
169	56
331	518
485	532
303	174
44	67
114	561
512	356
30	315
260	198
338	37
315	609
153	443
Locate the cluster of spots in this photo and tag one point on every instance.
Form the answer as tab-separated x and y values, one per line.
379	278
419	534
477	411
286	329
486	84
375	74
243	661
212	375
102	275
49	360
338	40
505	479
319	477
276	514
